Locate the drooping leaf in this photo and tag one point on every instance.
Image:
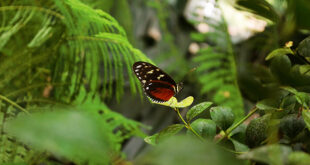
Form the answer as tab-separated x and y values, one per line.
197	109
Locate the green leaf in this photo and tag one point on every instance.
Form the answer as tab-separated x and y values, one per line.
239	147
268	104
204	127
298	158
197	109
182	150
66	133
306	116
301	97
279	52
259	7
303	48
304	70
151	139
169	131
222	116
274	154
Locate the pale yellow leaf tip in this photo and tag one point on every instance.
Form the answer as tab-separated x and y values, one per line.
173	102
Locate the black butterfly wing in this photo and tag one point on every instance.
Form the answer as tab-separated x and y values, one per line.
157	84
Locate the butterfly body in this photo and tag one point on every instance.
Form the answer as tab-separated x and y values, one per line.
157	84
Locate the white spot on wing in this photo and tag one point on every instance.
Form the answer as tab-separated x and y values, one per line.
143	81
139	66
160	76
150	72
136	70
140	78
147	88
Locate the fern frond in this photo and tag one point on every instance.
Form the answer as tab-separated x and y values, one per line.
77	45
217	69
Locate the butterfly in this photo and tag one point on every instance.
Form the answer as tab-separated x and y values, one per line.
157	84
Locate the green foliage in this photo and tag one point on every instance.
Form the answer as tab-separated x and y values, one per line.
164	134
206	128
175	151
217	71
67	42
275	154
67	133
259	7
222	116
197	109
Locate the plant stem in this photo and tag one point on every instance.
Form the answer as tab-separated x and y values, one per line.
13	104
229	130
187	125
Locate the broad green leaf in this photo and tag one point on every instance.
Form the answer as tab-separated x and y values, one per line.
169	131
222	116
298	158
197	109
182	150
306	116
204	127
279	52
274	154
80	137
239	147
